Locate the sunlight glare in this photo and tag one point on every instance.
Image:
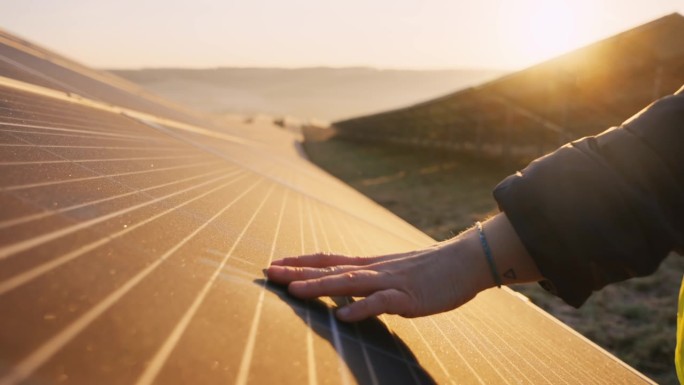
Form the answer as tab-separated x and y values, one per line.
532	31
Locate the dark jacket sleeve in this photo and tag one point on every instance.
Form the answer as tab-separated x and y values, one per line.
604	208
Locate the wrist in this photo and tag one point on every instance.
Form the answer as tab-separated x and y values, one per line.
513	262
470	267
509	258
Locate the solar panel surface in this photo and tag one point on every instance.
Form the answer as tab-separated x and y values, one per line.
132	246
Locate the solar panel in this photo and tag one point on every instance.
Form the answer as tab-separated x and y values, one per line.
132	246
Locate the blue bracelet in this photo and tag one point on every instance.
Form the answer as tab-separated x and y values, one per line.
488	254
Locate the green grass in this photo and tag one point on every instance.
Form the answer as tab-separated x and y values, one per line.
443	193
433	190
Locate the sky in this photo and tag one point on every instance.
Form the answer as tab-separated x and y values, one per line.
406	34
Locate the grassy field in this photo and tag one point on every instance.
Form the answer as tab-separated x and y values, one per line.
443	193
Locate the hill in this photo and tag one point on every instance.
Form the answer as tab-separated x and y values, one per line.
530	112
323	93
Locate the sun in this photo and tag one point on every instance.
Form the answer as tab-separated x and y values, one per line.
531	31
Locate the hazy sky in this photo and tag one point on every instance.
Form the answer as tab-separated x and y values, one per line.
505	34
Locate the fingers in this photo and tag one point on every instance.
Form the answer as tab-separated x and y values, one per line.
287	274
351	283
386	301
323	260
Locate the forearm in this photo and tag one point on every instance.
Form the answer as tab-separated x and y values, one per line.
605	208
512	262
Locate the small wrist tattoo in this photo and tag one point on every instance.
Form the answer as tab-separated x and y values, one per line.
510	274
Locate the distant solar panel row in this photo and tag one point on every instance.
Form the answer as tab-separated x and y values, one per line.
533	111
131	253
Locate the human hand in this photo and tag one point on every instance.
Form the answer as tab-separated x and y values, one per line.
417	283
422	282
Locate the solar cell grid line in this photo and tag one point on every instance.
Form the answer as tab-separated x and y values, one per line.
96	122
7	140
38	74
344	375
229	303
392	242
468	332
87	138
63	135
209	145
93	130
140	104
388	222
323	231
45	66
17	247
375	349
506	355
281	350
114	313
52	196
9	71
342	222
364	351
247	356
316	223
465	360
16	57
360	237
62	116
97	135
448	377
105	176
35	272
40	119
100	106
51	236
50	212
45	221
30	100
23	369
385	231
100	148
67	115
23	163
88	133
438	360
531	342
21	48
12	128
134	148
547	347
386	319
87	85
160	357
395	340
311	362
